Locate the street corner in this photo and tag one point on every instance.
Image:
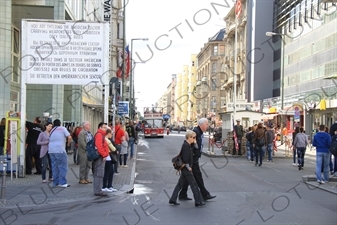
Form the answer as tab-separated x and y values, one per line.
330	186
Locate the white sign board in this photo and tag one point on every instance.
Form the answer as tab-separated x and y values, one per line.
65	52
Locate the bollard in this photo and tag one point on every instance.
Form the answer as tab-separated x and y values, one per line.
3	184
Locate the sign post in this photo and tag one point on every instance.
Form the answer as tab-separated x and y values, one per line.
123	108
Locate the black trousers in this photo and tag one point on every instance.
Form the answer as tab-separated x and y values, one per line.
33	151
186	177
200	181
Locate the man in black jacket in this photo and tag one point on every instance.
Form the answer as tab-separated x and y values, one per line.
132	137
199	130
33	150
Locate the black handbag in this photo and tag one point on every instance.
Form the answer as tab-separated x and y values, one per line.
113	157
178	163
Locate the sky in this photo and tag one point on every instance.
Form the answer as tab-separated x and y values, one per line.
153	19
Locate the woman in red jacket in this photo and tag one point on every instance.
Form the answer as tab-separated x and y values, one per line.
99	164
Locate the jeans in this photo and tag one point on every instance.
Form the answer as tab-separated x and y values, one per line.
322	158
118	148
248	150
259	151
270	151
59	162
108	174
131	144
300	156
252	152
45	160
294	154
98	167
125	158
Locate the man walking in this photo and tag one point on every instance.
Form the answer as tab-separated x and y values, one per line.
199	130
99	164
333	130
322	142
132	137
83	138
239	134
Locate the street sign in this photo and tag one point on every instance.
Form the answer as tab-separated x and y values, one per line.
123	108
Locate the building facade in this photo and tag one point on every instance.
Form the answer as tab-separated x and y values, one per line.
309	40
67	102
210	95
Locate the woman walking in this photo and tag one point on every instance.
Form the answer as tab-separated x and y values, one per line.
186	175
43	140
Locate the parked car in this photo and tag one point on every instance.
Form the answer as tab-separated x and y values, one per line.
183	128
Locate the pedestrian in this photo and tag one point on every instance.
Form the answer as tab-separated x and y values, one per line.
74	135
124	149
2	135
33	150
58	154
98	165
119	133
333	130
297	130
132	137
322	142
239	134
186	175
300	143
83	138
259	143
109	169
43	141
199	130
270	139
248	143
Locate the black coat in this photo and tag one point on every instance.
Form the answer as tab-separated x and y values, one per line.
187	154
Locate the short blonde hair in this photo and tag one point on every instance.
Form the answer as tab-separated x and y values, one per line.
189	133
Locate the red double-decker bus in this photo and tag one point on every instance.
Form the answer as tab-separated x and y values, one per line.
153	122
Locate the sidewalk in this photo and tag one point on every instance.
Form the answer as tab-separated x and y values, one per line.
30	190
281	153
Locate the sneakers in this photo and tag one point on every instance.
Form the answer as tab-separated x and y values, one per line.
106	190
125	166
63	185
321	181
294	164
112	189
44	181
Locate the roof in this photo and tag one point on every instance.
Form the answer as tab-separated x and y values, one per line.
218	36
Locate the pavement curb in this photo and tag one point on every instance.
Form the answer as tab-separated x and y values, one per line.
128	188
329	187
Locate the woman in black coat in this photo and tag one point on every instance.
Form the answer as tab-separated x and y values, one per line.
186	175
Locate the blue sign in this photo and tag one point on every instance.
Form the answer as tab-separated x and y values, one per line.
123	108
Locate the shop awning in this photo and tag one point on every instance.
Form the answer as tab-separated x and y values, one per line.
268	116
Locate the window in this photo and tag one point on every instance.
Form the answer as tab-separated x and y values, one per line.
213	85
213	68
15	55
215	50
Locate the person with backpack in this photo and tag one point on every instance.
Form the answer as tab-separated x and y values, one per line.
300	143
259	142
99	164
130	129
83	138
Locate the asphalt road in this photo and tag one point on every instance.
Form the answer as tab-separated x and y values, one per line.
271	194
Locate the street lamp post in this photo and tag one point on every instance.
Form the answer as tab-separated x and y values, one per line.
270	34
131	75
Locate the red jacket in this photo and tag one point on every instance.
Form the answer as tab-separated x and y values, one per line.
100	143
119	133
